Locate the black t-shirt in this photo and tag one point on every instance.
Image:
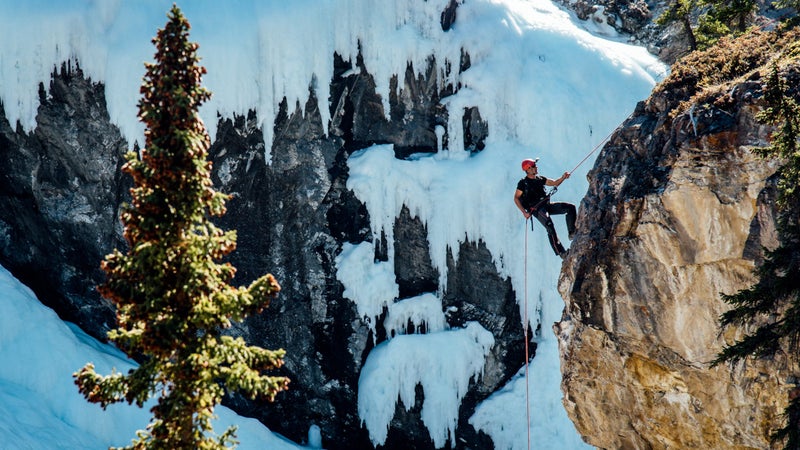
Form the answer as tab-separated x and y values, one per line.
532	190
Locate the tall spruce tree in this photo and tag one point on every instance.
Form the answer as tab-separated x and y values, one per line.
773	303
172	295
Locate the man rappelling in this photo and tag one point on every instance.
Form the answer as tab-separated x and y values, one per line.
531	198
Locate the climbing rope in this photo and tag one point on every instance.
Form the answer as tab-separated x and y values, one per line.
525	287
590	153
525	332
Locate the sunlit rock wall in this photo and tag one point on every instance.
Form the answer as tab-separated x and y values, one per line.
678	211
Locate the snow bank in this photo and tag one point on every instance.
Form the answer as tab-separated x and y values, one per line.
369	283
41	406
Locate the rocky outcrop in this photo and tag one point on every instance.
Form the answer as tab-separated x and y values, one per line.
635	19
61	189
678	211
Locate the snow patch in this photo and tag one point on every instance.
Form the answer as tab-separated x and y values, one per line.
39	402
442	363
423	313
368	283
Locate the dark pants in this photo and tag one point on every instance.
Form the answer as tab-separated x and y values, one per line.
543	213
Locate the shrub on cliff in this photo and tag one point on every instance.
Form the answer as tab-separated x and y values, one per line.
702	73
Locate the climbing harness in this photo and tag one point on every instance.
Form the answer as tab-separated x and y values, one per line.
532	210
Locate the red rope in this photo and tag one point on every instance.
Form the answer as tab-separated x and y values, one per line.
525	296
525	332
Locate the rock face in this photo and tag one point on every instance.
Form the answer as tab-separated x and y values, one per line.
293	215
678	211
61	189
635	19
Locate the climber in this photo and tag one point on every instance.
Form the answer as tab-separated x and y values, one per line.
531	198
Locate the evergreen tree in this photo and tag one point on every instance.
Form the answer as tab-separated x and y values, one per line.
172	295
790	18
794	4
783	111
723	18
773	303
680	11
712	19
734	15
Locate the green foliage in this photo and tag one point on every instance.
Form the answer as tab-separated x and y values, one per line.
680	11
772	305
710	30
172	295
794	4
723	18
783	112
705	21
676	11
735	15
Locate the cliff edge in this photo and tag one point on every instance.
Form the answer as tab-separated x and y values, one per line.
679	210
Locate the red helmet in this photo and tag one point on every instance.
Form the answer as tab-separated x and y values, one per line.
528	163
